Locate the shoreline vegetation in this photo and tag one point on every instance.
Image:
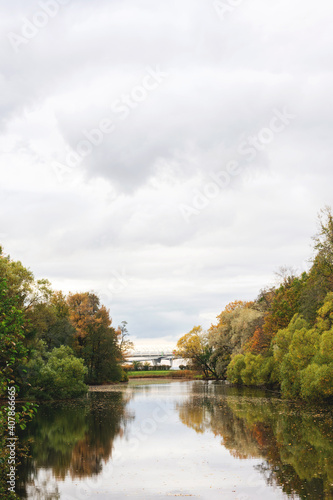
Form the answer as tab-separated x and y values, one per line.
283	340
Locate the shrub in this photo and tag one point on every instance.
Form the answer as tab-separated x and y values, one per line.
317	382
250	373
303	347
236	365
268	372
116	373
62	376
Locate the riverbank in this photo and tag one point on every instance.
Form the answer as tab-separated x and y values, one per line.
170	374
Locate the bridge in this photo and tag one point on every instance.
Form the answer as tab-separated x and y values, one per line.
154	355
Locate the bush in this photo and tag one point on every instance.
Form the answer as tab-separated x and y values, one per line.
317	382
62	376
268	372
304	357
303	347
250	373
250	369
128	368
235	367
116	373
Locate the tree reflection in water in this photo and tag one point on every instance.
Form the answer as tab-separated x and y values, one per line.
295	440
71	439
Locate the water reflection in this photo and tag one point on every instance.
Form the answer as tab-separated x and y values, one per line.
296	441
291	444
71	440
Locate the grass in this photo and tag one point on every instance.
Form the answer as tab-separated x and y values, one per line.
188	374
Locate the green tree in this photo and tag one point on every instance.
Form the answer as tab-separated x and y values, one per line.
54	326
12	356
320	280
12	349
304	355
29	294
316	382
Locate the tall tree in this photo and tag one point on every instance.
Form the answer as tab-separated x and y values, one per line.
55	327
96	341
22	284
236	324
320	280
125	344
285	303
12	349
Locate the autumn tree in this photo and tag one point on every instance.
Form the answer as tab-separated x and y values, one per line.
195	347
284	304
96	341
323	240
60	330
259	342
236	324
82	310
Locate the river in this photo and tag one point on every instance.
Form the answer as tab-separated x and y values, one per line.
157	440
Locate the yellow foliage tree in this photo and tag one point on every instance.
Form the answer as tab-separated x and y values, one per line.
194	346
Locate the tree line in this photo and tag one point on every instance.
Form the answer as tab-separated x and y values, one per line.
283	339
52	345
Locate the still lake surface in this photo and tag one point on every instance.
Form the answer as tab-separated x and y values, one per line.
167	439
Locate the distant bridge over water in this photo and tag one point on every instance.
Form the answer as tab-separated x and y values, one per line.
156	356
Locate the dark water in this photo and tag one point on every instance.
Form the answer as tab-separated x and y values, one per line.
165	440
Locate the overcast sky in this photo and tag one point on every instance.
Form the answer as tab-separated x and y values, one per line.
169	155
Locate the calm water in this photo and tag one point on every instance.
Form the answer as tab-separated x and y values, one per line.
161	440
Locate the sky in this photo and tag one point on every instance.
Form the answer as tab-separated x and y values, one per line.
168	155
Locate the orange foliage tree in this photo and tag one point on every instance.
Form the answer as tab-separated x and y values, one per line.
96	341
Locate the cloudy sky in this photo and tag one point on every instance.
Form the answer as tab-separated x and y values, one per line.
169	155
